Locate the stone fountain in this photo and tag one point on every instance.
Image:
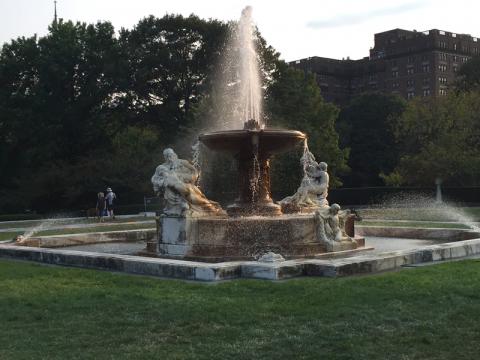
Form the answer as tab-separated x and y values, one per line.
252	148
254	226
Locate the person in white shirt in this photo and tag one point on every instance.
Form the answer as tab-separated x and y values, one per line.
110	201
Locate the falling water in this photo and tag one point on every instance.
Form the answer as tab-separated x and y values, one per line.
255	179
196	159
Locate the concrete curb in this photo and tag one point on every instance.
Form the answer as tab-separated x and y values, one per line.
191	270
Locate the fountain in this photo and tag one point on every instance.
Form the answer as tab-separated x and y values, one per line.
194	227
253	145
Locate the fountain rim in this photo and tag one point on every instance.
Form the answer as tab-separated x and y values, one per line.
265	131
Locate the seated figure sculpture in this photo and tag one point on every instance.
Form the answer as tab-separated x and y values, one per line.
331	225
313	191
176	179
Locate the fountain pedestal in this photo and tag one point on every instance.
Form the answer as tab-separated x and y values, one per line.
252	148
253	188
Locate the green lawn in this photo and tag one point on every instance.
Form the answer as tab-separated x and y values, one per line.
64	313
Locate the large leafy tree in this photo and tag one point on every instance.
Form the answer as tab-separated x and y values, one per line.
366	126
440	138
169	60
55	100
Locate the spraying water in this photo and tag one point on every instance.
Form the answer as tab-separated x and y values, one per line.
237	93
250	94
44	225
420	207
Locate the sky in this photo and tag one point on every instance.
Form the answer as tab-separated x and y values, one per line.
295	28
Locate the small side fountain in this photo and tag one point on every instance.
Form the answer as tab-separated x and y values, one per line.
256	227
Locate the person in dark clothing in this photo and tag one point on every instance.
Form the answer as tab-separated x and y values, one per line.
100	206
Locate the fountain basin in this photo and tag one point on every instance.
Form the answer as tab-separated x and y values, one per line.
252	149
237	142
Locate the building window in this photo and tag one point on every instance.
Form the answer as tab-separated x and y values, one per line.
410	94
411	59
442	44
442	67
426	81
410	82
393	63
455	68
395	85
455	58
426	68
442	92
410	71
426	92
454	46
464	59
442	80
394	74
442	56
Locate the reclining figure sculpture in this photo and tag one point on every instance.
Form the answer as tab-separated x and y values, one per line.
176	179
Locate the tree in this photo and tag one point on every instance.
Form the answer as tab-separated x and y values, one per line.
440	138
294	102
366	126
169	60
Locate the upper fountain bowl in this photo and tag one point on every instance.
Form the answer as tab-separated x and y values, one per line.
269	141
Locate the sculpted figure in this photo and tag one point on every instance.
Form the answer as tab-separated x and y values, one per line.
313	190
331	224
176	179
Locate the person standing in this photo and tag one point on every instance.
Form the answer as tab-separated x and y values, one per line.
100	205
110	201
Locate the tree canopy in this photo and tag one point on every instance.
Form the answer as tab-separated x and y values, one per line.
440	138
85	107
366	127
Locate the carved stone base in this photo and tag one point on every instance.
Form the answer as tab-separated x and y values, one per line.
241	238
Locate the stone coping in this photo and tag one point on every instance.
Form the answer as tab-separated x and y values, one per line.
417	233
191	270
87	238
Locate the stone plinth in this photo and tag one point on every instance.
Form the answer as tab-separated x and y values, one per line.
240	238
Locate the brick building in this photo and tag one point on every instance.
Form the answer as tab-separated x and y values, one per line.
402	62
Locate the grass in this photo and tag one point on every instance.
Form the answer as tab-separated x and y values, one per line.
413	224
59	313
9	235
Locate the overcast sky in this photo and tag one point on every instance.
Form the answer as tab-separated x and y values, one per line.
296	28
